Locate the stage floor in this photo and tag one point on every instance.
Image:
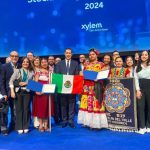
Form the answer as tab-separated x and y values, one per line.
79	138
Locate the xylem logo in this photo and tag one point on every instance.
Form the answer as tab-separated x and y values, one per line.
91	27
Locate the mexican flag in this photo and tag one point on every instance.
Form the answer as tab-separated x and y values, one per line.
67	84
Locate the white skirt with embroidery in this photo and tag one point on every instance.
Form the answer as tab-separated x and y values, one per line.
92	120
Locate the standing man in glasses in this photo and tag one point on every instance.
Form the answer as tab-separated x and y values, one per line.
6	73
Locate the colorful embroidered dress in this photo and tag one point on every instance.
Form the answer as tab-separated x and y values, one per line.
92	111
119	73
40	107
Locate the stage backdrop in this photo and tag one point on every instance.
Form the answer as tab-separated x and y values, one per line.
120	104
47	27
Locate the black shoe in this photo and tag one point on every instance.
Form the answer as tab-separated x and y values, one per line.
57	122
64	125
72	125
5	132
11	128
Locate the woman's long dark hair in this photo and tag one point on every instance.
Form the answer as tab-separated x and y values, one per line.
30	67
95	51
43	58
111	60
139	68
136	61
132	60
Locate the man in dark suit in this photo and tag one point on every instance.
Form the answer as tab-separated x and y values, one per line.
68	67
6	73
3	109
115	54
1	114
0	76
82	60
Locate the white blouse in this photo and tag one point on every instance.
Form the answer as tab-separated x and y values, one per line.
143	74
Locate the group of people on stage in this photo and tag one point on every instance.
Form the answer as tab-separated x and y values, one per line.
14	79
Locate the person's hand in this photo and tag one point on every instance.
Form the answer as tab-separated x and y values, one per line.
81	73
103	69
36	78
5	97
13	95
138	94
22	83
38	93
128	75
95	80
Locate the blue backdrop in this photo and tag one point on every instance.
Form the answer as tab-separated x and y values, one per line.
47	27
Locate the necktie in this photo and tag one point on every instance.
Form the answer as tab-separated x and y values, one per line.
67	66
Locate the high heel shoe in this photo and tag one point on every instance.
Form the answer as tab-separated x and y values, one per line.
46	129
41	129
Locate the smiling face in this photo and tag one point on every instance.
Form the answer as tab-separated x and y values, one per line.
107	59
14	57
36	62
115	55
30	56
68	54
129	62
82	58
25	63
86	62
145	56
44	64
51	60
119	62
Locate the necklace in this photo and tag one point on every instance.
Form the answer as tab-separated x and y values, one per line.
93	65
120	72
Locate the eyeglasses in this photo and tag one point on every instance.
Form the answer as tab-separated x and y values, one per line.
16	56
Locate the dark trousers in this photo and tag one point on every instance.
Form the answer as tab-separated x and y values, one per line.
4	118
143	104
30	106
22	105
57	108
67	107
12	113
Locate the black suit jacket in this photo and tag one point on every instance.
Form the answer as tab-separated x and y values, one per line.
0	76
6	73
61	68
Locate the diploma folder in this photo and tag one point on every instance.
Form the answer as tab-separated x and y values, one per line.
39	87
93	75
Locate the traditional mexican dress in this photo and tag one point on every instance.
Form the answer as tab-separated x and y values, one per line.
119	73
92	110
41	102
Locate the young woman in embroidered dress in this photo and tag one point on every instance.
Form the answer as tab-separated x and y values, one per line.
119	71
92	110
36	68
130	65
41	100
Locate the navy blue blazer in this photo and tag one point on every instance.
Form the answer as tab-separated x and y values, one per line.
61	68
6	73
